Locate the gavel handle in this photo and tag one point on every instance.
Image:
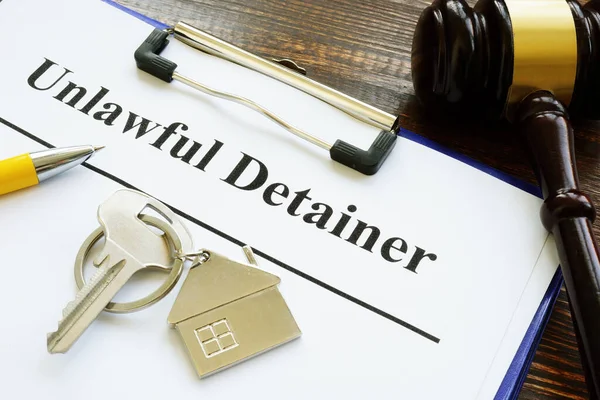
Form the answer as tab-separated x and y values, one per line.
568	213
593	395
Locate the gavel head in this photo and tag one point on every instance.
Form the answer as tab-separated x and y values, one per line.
484	60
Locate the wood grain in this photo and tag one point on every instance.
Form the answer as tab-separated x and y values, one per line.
362	47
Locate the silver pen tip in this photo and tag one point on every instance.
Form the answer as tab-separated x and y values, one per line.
98	148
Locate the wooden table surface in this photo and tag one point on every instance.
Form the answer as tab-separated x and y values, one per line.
362	47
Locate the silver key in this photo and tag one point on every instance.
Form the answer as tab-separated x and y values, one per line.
130	245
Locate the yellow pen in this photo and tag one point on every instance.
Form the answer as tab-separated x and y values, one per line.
30	169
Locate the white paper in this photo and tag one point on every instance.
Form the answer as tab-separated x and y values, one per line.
494	260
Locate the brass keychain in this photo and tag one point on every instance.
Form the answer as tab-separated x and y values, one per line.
227	312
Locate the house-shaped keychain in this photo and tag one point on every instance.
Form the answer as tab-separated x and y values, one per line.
227	312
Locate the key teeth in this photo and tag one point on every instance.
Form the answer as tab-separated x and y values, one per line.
65	310
83	292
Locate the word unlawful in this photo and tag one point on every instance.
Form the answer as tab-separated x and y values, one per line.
51	77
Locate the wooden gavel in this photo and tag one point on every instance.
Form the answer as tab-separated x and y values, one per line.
528	61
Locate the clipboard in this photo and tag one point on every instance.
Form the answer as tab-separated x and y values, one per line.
519	367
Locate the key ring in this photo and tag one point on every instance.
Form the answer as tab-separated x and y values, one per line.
173	242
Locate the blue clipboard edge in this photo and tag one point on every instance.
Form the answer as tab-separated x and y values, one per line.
517	372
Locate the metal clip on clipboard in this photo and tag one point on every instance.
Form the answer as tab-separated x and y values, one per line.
368	162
